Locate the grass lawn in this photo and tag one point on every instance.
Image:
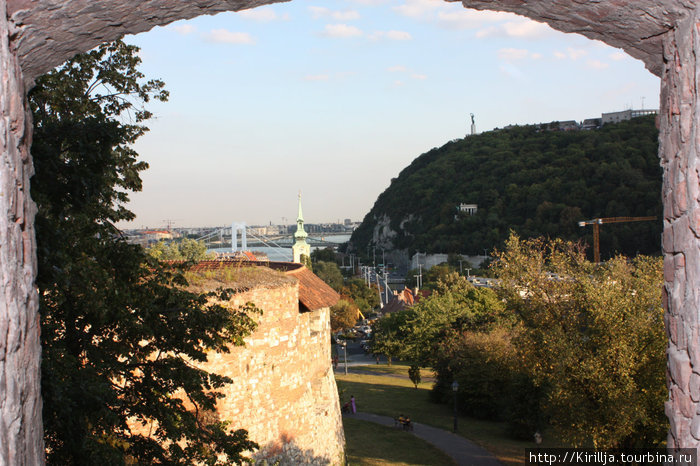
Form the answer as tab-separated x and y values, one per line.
391	396
373	445
396	369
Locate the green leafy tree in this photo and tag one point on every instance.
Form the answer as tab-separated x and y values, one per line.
329	272
387	335
414	374
343	315
415	333
120	333
365	297
324	255
455	304
484	363
185	249
593	336
306	261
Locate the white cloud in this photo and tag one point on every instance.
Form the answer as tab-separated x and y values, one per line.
527	29
521	28
398	35
262	14
510	54
316	77
370	2
418	8
470	19
397	69
184	29
571	53
341	30
618	55
391	35
225	36
398	83
575	54
405	71
323	12
597	64
513	54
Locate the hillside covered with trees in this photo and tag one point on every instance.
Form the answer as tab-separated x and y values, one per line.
529	180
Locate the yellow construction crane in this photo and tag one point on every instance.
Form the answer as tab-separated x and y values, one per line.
596	222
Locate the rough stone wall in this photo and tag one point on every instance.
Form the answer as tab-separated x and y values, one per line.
679	151
21	435
284	391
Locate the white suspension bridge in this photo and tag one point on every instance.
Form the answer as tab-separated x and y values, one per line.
240	237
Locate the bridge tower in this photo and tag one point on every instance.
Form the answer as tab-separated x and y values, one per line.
235	226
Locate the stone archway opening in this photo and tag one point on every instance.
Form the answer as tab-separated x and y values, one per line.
38	35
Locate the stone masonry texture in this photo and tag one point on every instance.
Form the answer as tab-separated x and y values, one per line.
284	391
37	35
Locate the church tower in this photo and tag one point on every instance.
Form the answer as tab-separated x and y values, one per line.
301	247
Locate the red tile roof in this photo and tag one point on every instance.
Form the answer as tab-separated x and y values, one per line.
314	293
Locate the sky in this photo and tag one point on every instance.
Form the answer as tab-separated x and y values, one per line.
334	98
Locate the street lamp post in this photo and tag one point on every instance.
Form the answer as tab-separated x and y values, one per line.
345	357
455	387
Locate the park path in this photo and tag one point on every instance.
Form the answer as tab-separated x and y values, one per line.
461	450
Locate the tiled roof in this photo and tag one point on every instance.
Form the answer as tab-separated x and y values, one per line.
394	305
314	293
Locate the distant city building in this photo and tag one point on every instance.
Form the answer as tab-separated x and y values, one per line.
569	125
592	123
615	117
347	222
300	247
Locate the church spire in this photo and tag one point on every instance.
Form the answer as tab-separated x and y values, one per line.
300	247
300	233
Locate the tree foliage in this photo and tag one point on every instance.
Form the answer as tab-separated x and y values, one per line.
343	315
593	336
365	297
120	333
414	333
306	261
329	272
324	255
539	183
183	250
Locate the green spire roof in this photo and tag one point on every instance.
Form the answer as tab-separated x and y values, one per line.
300	234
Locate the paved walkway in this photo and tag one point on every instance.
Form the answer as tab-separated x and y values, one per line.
464	452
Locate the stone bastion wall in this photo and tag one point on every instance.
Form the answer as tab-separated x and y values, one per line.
283	389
